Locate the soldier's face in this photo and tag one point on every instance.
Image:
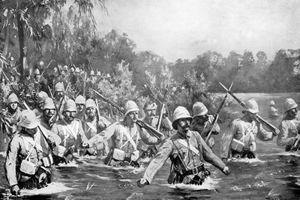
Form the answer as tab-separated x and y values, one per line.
201	119
59	94
80	107
183	125
69	115
41	105
91	112
31	131
13	105
49	113
133	116
292	113
37	77
151	112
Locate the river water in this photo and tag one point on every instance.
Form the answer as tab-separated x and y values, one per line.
273	175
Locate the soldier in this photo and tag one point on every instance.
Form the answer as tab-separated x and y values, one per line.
39	82
70	130
11	115
41	97
290	126
93	125
80	104
273	111
187	152
152	119
127	138
59	97
28	160
239	140
202	122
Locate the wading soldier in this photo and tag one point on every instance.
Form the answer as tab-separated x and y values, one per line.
28	160
153	120
187	152
239	140
41	96
93	125
202	122
80	105
70	130
289	135
127	138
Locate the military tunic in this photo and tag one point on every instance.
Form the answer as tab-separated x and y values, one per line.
244	132
288	131
179	144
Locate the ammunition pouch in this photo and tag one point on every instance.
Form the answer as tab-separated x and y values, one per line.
118	154
47	161
195	170
28	168
237	145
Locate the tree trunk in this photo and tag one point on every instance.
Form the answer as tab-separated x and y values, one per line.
22	58
6	43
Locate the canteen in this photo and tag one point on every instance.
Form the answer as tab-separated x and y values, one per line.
28	167
237	145
118	154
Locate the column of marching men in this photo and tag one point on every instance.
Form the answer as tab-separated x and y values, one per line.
58	129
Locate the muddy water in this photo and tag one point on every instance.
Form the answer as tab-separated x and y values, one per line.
273	175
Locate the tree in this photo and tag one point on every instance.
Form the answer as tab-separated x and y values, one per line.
29	17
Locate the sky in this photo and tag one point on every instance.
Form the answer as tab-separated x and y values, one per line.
187	28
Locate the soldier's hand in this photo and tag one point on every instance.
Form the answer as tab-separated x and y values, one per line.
226	170
142	182
15	190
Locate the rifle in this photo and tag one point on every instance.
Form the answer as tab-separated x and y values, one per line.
274	130
160	116
139	122
216	116
296	144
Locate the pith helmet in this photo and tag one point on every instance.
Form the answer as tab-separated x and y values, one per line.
180	113
131	106
80	100
28	119
41	96
70	105
59	87
65	68
92	73
289	104
12	98
90	103
36	72
252	106
199	109
77	70
150	106
49	104
272	103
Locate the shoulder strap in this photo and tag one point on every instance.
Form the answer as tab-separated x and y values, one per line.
189	147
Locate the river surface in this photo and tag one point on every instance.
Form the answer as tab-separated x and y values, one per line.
274	174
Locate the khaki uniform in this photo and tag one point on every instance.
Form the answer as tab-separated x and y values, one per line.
72	135
185	146
244	132
20	147
204	129
125	138
288	132
91	128
8	128
166	124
